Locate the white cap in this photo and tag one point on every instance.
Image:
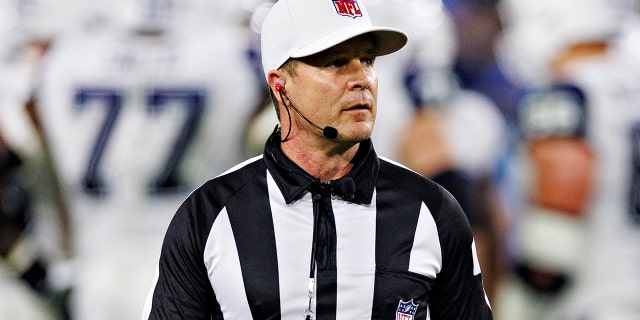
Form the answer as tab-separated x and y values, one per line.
300	28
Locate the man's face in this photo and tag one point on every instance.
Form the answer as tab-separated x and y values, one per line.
338	87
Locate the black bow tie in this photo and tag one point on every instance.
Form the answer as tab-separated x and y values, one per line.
344	188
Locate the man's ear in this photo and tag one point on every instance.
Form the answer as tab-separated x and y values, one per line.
276	81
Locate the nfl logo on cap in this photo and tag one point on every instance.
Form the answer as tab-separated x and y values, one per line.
406	310
349	8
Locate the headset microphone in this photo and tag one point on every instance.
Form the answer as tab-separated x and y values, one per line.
329	132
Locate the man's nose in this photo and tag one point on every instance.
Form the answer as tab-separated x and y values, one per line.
360	75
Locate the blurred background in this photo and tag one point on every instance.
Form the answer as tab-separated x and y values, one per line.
112	112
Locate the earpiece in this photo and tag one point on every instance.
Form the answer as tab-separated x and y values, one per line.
279	84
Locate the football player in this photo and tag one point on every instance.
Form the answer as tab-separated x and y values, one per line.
136	113
575	255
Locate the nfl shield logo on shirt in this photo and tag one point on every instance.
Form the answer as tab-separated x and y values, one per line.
406	310
349	8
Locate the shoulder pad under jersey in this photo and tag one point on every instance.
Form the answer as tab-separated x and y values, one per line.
558	110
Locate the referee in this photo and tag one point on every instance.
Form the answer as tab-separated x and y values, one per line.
318	226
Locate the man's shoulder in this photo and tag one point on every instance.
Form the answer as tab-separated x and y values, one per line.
208	200
409	185
235	178
409	180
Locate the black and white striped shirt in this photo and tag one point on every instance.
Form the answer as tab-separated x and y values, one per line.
240	246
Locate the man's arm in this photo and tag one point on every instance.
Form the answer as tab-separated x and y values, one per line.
182	289
458	291
559	173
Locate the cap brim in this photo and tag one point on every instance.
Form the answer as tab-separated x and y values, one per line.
388	40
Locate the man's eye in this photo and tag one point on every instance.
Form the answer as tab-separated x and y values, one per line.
337	63
368	61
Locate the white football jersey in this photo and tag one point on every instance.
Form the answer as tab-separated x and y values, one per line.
609	274
606	276
134	124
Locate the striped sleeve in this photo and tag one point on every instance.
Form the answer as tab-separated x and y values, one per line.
182	289
458	290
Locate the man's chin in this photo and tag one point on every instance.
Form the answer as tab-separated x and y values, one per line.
355	135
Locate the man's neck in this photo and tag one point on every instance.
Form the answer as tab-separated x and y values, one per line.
323	160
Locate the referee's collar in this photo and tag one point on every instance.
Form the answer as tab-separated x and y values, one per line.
293	181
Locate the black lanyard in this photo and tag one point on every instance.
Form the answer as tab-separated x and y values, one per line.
323	248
